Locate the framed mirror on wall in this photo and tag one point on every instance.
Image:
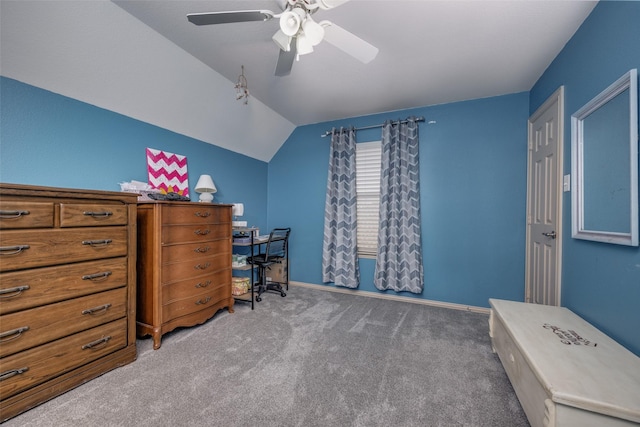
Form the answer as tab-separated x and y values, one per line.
604	165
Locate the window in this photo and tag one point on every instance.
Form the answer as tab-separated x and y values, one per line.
368	164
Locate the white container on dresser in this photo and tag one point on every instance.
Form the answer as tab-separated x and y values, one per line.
67	290
184	265
564	371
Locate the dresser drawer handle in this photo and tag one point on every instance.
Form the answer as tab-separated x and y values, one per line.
97	243
203	285
13	214
13	334
203	214
94	344
203	301
13	292
13	250
97	276
97	214
97	310
203	250
202	267
13	372
202	232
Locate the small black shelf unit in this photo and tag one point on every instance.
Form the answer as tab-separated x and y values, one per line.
252	240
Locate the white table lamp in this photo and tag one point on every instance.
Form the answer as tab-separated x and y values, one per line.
238	210
206	188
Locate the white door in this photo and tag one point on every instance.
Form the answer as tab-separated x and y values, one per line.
544	202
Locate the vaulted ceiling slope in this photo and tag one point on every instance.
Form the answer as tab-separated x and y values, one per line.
180	76
97	53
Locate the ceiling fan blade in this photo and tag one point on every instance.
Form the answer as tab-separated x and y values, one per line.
349	42
285	60
208	18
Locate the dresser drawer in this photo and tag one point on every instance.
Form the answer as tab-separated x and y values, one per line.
26	289
29	328
91	215
196	303
26	214
31	367
194	233
173	253
195	286
35	248
196	214
194	268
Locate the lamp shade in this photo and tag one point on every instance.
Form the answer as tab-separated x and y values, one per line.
205	184
238	209
206	188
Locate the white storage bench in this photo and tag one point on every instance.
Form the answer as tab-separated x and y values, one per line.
565	372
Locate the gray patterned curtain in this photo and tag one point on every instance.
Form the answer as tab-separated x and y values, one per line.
339	246
399	260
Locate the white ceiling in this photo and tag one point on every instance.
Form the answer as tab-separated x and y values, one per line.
144	59
431	52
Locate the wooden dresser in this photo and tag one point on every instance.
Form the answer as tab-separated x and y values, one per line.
67	290
184	265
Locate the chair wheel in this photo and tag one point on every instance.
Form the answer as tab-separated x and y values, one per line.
282	294
258	299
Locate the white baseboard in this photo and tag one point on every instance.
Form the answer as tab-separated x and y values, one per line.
358	292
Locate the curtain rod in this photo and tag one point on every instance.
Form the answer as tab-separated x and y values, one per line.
418	119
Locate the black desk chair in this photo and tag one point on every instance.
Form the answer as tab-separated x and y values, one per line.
275	251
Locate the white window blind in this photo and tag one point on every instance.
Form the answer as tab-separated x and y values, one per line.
368	164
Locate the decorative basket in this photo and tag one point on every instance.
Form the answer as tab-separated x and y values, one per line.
239	285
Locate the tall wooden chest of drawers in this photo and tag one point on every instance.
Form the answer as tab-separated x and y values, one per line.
184	265
67	290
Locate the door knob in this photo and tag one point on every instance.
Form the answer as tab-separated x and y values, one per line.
551	234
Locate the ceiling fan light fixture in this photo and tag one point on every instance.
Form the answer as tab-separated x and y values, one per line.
282	40
313	31
330	4
290	21
303	45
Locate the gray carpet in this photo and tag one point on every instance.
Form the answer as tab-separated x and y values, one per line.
313	358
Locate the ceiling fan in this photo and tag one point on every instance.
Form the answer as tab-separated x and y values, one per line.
298	31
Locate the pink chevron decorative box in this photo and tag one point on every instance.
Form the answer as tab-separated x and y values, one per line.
168	172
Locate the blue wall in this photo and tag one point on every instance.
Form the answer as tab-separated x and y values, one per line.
48	139
473	164
600	282
473	177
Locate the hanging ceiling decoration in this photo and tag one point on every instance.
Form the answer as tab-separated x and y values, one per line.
242	88
298	32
